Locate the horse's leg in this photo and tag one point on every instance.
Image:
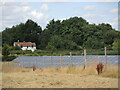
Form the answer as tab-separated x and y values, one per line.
98	71
101	70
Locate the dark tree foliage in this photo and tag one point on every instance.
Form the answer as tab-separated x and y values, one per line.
59	43
28	32
5	50
70	34
16	48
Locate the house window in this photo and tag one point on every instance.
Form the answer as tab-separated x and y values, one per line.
32	46
27	46
21	46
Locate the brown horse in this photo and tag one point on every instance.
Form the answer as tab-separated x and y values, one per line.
99	68
34	68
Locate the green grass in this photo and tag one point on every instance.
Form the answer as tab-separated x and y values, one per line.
63	52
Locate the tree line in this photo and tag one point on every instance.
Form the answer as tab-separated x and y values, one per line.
71	34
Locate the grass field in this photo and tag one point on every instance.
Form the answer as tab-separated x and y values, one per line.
65	77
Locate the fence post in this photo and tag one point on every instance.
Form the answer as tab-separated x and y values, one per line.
106	55
36	62
98	59
84	58
70	59
60	60
20	63
43	61
51	62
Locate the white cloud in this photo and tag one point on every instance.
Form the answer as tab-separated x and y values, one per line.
36	14
90	7
1	12
57	0
60	19
105	0
97	19
114	22
79	0
15	14
44	7
63	19
114	10
101	16
26	8
93	18
4	1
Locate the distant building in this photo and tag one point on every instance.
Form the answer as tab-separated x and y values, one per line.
26	45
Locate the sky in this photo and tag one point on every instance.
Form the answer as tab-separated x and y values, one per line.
15	12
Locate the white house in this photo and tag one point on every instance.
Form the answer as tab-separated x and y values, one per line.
26	45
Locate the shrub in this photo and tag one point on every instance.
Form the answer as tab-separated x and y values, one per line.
16	48
21	52
16	52
6	50
8	58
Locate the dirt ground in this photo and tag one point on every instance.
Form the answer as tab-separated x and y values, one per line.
26	78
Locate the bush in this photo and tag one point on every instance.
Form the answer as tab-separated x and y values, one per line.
21	52
6	50
16	52
16	48
8	58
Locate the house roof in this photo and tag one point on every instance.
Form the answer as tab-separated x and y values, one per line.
25	44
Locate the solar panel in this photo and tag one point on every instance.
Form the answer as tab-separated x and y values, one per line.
54	61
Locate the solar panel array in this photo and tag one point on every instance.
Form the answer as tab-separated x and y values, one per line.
54	61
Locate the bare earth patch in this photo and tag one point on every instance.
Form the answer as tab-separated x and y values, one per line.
54	78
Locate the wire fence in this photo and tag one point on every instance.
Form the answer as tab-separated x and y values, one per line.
67	60
61	61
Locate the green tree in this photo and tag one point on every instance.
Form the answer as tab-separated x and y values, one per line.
54	27
59	43
6	50
115	44
16	48
109	37
73	28
44	38
71	33
29	31
94	43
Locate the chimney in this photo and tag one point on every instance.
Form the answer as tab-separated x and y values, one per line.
18	40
